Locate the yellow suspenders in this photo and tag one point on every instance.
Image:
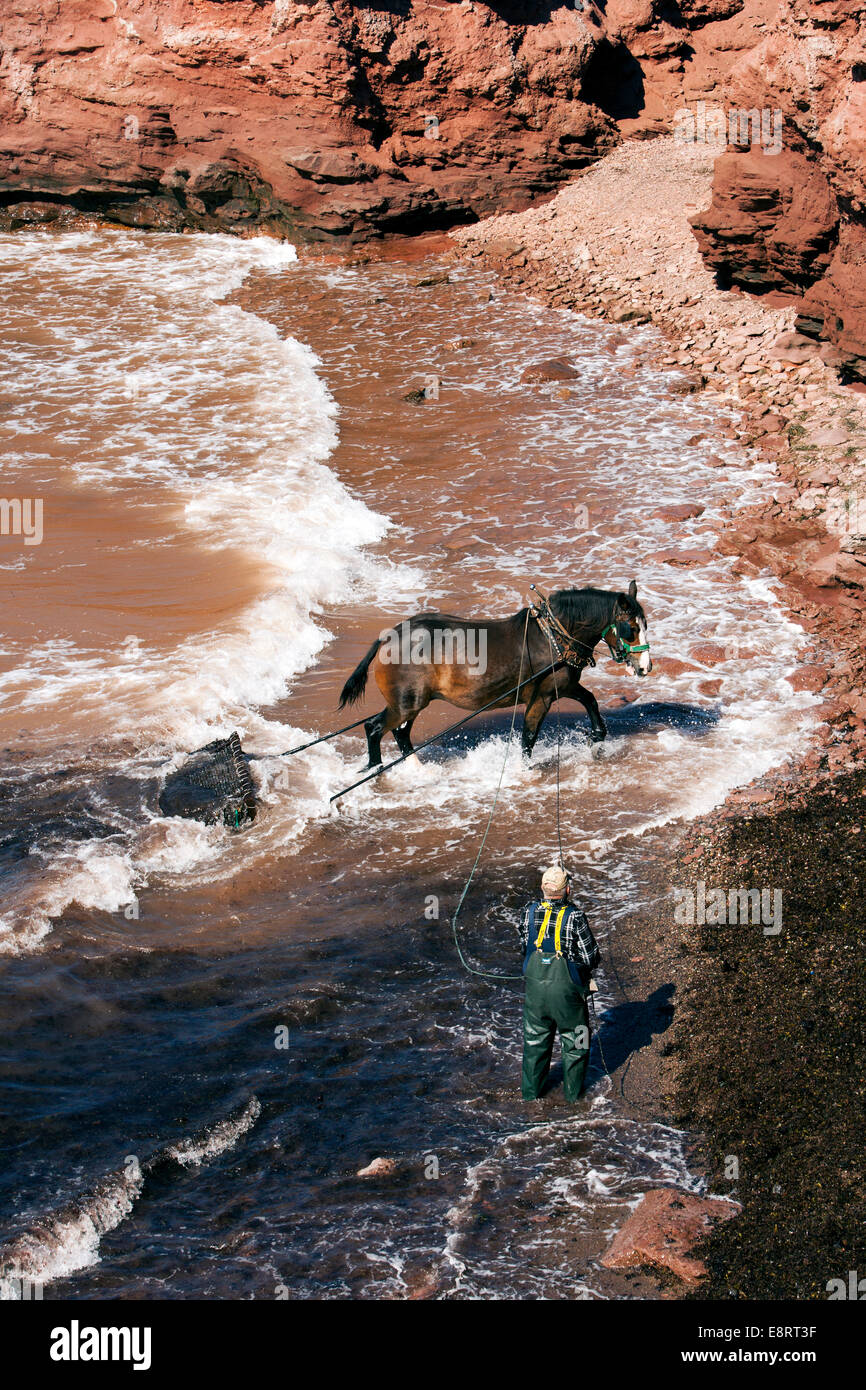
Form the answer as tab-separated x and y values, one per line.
557	933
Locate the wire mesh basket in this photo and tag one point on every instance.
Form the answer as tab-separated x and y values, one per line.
213	785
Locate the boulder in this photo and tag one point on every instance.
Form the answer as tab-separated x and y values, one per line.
378	1168
793	348
837	568
679	511
684	558
711	653
671	666
785	214
663	1229
554	369
810	677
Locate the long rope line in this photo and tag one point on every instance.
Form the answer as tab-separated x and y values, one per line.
559	841
488	974
558	747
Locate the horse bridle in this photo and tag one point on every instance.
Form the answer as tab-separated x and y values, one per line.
550	625
623	649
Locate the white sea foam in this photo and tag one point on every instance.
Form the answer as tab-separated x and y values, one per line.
68	1240
192	1153
169	386
257	473
160	384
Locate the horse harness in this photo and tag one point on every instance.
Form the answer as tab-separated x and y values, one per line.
559	637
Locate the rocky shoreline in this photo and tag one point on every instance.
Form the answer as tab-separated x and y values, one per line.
617	244
743	1064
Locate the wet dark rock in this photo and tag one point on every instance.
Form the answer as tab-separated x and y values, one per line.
785	1099
554	369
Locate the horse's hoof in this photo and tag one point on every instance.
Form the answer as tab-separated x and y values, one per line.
598	736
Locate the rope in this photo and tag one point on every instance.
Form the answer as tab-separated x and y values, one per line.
561	859
558	747
488	974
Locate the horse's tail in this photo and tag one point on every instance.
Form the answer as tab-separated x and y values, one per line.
357	682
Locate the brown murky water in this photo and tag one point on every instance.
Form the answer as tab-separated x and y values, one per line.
237	499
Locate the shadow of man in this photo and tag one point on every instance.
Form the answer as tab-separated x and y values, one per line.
625	1029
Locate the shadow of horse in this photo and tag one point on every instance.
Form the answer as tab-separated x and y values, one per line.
694	721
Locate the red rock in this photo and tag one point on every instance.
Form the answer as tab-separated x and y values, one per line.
781	222
684	557
670	666
378	1168
838	568
329	118
711	688
837	711
812	678
792	347
711	653
681	511
687	384
554	369
830	437
662	1230
422	1285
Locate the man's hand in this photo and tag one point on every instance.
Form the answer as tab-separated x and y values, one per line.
593	987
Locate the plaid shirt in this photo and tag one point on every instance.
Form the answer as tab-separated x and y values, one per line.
578	943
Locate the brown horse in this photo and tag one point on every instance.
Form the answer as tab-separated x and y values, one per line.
434	656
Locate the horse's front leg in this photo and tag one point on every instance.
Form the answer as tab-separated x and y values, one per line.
590	704
536	713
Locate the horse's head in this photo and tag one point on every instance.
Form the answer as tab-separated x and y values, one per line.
626	633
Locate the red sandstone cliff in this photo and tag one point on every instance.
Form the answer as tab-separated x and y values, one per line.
795	222
321	117
329	117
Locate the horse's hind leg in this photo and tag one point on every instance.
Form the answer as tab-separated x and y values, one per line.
402	734
374	728
394	721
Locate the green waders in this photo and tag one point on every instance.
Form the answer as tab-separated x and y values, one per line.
553	1001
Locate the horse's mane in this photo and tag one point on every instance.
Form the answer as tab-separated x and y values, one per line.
591	605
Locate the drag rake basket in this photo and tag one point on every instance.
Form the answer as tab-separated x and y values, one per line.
213	785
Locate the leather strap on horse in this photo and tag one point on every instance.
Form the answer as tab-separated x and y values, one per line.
550	625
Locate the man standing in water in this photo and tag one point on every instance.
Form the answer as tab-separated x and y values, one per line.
560	954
